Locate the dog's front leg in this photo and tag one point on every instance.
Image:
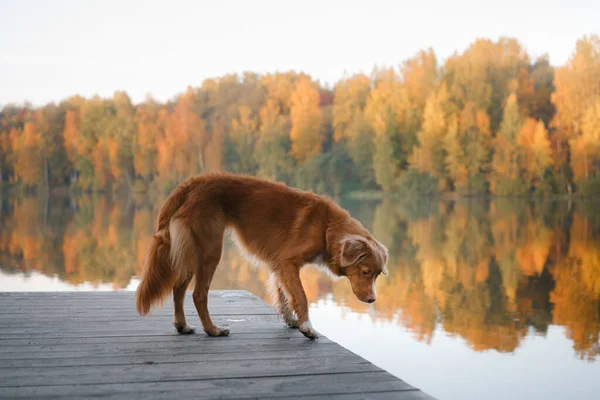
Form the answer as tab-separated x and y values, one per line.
282	304
291	284
284	308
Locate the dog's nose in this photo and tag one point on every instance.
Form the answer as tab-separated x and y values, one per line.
371	299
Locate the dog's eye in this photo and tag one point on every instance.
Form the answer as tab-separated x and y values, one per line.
365	273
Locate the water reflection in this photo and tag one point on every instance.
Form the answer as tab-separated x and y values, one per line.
492	273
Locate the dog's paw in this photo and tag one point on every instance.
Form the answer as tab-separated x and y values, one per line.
217	331
308	331
292	323
184	329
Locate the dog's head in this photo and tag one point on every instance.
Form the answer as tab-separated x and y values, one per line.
362	261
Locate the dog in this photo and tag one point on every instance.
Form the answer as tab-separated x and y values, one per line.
282	227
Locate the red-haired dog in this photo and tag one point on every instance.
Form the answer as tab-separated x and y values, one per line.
281	227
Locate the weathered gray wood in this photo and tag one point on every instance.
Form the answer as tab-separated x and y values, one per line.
184	370
383	395
222	294
288	386
210	343
74	345
134	324
159	350
173	356
160	331
160	339
113	311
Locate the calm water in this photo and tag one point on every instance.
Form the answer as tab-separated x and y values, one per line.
483	300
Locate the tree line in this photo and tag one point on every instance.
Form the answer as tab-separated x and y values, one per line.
488	121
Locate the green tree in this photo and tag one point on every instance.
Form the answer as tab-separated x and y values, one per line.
273	143
390	115
244	135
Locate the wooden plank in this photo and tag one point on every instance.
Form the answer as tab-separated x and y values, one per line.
172	356
158	324
383	395
223	294
306	385
158	339
197	371
163	331
82	312
94	344
159	350
209	343
122	303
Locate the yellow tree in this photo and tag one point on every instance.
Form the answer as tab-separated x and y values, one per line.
536	151
14	139
389	113
585	148
542	150
272	144
455	157
350	128
122	138
146	119
29	162
428	156
474	137
306	121
50	121
280	87
165	151
350	98
94	127
420	76
468	75
485	75
70	137
577	89
506	166
186	130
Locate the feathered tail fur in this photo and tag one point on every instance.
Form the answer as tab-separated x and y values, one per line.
160	273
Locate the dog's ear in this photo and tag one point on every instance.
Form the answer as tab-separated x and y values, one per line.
354	248
384	250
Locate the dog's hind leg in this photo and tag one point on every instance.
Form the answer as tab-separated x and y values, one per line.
293	290
210	255
179	315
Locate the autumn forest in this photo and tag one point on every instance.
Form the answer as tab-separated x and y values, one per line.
491	120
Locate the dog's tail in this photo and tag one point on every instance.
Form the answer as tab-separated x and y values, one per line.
160	274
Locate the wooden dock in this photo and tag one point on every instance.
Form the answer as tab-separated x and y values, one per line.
91	344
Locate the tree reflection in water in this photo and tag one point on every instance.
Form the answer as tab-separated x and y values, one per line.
490	272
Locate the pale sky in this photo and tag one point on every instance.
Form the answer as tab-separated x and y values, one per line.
50	50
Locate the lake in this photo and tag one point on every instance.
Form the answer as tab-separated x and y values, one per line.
485	299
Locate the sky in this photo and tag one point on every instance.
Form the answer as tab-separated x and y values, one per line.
50	50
